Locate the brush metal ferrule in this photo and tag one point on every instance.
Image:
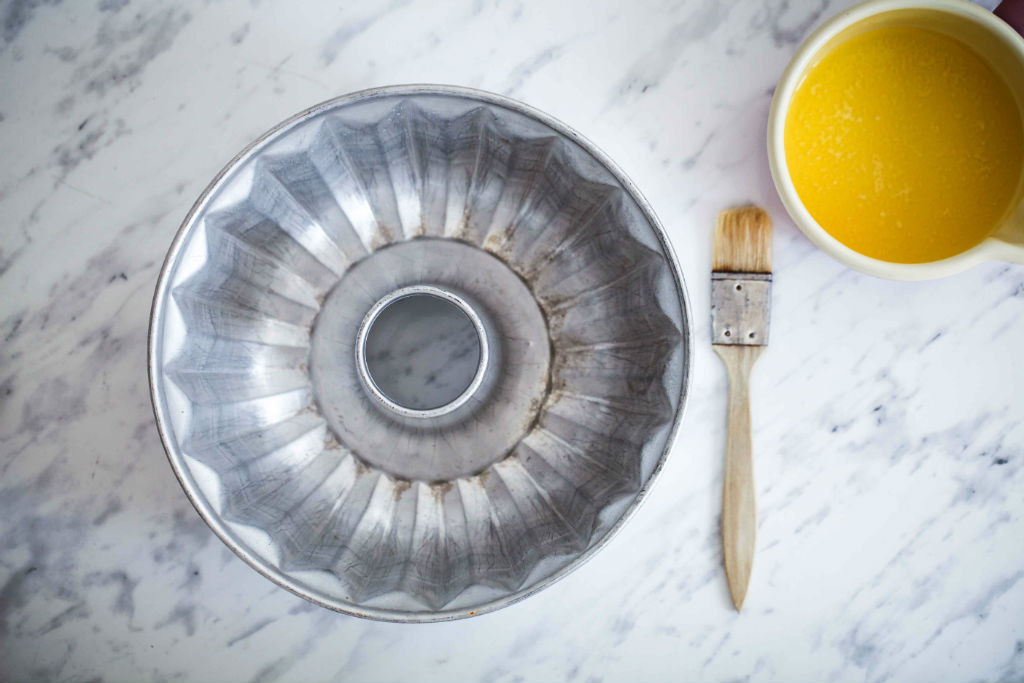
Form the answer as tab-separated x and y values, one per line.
740	308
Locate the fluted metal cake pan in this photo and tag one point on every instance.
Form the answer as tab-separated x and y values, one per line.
299	460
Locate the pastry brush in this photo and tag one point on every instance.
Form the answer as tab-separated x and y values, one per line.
741	282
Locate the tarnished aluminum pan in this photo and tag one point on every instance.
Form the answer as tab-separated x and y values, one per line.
357	477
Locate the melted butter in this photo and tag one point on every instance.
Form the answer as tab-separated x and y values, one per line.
905	145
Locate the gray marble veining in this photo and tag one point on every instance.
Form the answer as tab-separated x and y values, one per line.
890	445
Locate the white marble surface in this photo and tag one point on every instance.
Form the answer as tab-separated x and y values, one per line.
890	445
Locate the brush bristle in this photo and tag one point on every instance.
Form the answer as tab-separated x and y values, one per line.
743	241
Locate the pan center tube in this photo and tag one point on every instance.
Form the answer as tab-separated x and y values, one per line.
422	351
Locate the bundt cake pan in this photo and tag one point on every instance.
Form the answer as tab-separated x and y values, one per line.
348	487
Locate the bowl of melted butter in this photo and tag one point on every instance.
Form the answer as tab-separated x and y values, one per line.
896	138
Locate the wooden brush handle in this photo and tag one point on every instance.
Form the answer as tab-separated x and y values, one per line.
739	512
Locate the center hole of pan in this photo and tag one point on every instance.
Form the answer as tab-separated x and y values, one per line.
423	350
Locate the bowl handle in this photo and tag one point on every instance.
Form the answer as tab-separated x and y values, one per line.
1008	240
1012	12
